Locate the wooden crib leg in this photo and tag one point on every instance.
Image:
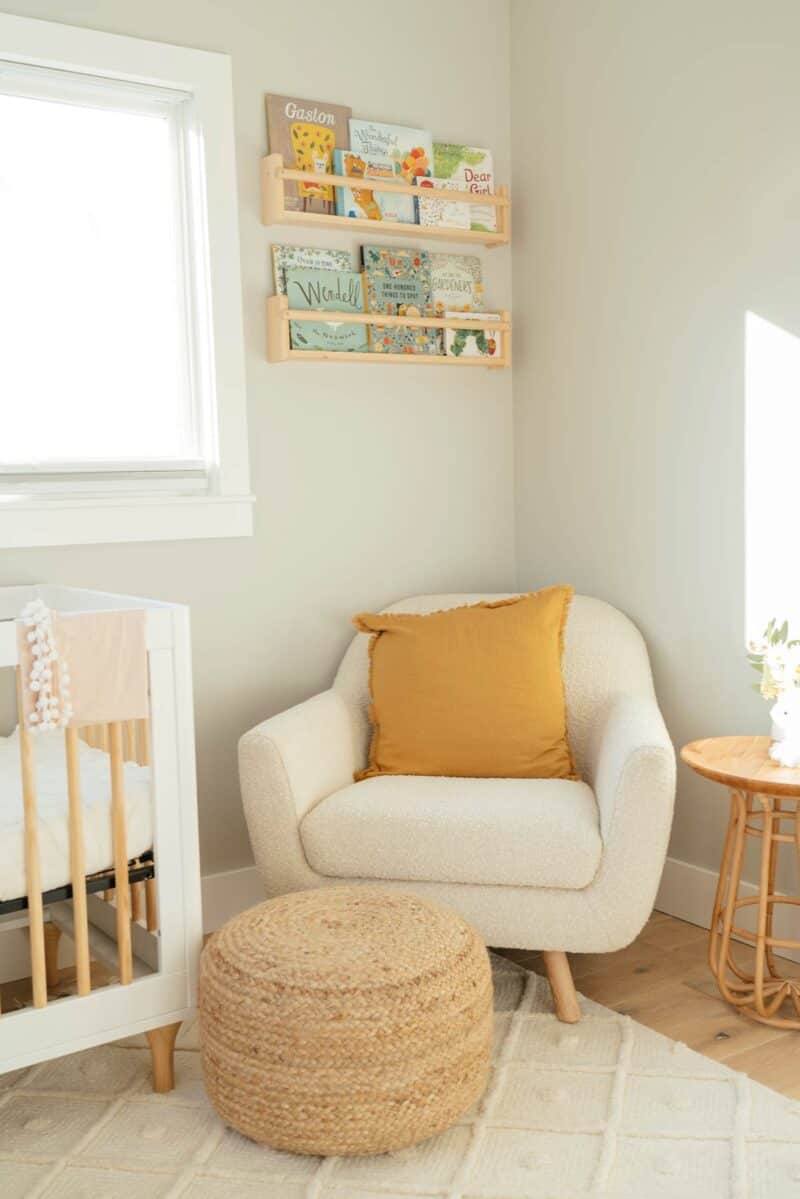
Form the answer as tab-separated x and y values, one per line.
52	936
162	1050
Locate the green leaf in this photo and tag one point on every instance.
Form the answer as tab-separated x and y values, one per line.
757	666
783	632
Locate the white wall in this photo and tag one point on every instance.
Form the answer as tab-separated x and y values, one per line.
372	483
657	192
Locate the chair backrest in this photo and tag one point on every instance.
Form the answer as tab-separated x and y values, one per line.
604	654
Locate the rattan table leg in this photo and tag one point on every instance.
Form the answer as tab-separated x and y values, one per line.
762	994
763	906
723	959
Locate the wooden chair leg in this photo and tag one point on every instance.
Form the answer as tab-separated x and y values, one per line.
162	1051
559	976
52	936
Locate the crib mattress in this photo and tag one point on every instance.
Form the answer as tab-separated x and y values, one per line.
53	812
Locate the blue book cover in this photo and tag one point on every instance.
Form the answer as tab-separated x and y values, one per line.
399	284
328	291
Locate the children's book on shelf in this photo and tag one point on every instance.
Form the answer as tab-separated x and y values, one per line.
361	200
456	283
480	342
398	283
471	168
316	257
409	150
449	214
306	132
330	291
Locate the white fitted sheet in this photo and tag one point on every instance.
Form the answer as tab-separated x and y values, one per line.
53	812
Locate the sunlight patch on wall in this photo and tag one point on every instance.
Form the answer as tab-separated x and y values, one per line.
772	475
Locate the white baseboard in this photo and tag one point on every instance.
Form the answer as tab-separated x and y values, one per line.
227	893
688	892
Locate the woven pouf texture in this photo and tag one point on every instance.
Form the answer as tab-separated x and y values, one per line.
346	1021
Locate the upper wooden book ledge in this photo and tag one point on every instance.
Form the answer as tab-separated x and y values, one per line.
274	211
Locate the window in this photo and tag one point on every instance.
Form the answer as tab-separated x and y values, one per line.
122	405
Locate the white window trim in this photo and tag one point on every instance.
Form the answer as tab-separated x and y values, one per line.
52	518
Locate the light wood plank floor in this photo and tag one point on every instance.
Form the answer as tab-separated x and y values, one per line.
663	980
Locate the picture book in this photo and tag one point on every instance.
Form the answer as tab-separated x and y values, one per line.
315	257
410	152
332	291
365	202
449	214
456	283
398	283
472	167
306	132
480	342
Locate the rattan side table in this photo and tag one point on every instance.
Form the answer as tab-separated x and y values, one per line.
765	799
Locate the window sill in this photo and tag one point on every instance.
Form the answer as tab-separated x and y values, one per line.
26	522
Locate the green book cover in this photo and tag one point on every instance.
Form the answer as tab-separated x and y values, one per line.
327	291
471	169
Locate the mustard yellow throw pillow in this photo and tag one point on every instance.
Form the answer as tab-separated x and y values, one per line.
472	692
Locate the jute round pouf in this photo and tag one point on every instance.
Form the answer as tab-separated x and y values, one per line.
348	1020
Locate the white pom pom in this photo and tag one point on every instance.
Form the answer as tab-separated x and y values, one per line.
35	685
34	716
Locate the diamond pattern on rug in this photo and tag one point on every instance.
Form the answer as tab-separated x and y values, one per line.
603	1108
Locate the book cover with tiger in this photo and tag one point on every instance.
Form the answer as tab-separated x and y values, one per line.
363	201
306	132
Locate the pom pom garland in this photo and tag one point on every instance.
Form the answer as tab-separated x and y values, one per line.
51	710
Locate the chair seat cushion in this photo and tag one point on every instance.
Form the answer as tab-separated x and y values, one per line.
512	832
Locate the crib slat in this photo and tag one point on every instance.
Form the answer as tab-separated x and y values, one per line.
33	877
77	863
123	891
150	904
137	891
144	742
130	740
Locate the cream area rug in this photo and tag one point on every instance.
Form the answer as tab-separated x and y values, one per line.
602	1108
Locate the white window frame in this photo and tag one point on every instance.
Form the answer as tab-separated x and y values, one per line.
135	507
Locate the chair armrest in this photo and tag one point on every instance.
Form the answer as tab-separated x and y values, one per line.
288	764
632	762
632	770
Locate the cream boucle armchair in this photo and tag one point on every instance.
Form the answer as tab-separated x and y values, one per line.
543	864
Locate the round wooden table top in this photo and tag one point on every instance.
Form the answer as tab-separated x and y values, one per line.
743	763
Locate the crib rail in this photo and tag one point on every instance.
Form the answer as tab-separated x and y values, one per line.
127	741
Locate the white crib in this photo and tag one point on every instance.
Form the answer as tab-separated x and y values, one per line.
137	916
